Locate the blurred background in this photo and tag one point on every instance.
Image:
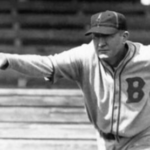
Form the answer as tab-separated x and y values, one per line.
46	27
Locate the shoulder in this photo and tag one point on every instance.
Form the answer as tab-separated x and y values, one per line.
79	55
139	46
141	51
80	52
84	50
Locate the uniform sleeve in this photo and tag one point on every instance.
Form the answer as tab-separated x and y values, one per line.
69	64
32	65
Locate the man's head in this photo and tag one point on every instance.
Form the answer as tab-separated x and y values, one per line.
109	33
108	22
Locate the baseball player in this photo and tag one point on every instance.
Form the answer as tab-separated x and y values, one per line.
112	72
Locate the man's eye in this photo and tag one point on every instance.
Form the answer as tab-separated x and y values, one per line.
106	36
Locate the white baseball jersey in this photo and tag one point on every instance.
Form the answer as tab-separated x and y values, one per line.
117	101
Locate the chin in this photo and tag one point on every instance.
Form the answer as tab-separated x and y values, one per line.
103	56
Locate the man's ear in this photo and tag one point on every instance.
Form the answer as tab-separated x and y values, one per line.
125	35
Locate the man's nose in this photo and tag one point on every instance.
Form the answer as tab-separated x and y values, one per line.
101	42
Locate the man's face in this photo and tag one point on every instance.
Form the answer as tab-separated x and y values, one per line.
108	46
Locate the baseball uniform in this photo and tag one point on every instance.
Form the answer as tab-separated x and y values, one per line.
117	100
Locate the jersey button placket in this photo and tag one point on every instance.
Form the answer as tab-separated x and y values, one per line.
116	104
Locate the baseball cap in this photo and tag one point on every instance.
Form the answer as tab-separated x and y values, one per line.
107	22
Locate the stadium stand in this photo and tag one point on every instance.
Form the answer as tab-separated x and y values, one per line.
48	26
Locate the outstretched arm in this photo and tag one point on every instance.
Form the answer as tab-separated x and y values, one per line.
68	64
33	65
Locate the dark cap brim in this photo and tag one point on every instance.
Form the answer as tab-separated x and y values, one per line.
102	30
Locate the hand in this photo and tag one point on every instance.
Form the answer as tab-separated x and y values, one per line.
3	61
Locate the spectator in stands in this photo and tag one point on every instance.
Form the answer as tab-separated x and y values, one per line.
113	74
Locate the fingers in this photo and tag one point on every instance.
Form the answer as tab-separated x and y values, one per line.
3	61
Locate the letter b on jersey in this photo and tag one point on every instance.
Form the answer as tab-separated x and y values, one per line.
135	89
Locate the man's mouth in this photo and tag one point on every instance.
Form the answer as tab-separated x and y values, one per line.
104	51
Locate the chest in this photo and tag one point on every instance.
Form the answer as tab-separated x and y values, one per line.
130	83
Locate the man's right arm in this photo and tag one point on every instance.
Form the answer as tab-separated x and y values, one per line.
68	64
3	62
32	65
